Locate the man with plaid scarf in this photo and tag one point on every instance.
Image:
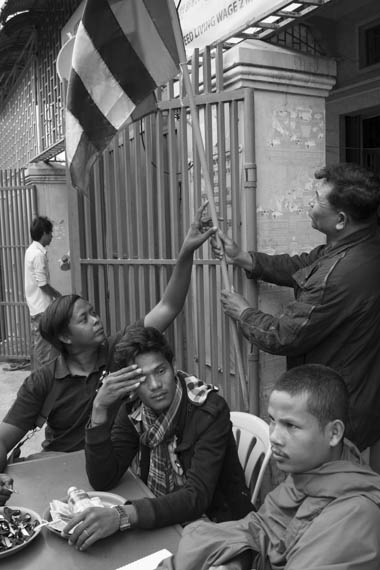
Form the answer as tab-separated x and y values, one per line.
173	430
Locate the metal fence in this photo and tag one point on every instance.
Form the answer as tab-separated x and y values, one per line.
143	195
17	207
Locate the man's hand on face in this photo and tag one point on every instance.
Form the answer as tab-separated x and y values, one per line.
115	387
233	304
6	488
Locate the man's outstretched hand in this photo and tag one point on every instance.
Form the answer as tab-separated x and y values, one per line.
233	304
199	231
224	246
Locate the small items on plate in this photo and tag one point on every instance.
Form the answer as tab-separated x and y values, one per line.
16	528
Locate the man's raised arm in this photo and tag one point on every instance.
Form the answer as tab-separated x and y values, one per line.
172	301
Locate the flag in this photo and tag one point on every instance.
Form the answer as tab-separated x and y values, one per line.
123	50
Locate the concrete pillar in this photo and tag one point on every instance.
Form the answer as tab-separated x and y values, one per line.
50	181
290	90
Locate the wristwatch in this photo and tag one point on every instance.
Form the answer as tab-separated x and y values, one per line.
124	520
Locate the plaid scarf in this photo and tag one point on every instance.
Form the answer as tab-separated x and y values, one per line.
157	432
197	391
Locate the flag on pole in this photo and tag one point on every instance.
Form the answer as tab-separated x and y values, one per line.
123	50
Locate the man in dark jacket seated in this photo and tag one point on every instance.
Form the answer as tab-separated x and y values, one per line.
175	433
324	516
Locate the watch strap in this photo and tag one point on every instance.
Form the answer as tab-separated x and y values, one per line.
124	520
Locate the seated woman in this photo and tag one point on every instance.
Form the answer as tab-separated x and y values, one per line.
175	433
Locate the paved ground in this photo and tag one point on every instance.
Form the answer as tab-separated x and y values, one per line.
9	384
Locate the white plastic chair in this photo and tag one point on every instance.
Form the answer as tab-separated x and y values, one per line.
252	440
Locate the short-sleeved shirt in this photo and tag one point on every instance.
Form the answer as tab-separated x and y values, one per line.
71	410
36	276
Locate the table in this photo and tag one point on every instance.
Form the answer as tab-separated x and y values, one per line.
40	480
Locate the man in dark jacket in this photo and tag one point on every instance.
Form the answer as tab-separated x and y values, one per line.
335	318
175	433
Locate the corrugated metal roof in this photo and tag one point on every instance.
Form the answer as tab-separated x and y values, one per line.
19	23
17	41
19	20
12	7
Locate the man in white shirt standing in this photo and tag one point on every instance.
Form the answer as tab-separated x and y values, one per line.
38	291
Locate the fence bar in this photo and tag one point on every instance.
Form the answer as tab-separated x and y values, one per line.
143	195
17	207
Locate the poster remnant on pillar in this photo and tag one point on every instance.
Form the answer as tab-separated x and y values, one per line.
206	22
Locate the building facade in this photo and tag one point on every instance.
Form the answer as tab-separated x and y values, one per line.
273	110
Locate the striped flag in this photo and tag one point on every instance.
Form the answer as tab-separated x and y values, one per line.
123	50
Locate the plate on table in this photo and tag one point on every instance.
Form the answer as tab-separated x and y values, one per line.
26	540
108	500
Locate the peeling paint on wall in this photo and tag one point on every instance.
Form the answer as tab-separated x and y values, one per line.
298	126
59	229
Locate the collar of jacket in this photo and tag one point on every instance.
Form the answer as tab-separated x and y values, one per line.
348	475
351	240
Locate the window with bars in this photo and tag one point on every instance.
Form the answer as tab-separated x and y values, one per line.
362	141
369	44
299	37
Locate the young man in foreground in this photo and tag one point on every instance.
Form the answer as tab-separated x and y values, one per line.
324	516
176	436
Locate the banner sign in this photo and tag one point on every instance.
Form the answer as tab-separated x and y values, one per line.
206	22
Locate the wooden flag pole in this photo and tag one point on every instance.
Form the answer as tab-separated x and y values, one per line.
207	179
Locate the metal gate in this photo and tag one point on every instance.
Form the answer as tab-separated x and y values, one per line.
18	205
143	195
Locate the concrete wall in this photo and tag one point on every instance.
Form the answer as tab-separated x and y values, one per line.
357	90
346	31
290	91
50	180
